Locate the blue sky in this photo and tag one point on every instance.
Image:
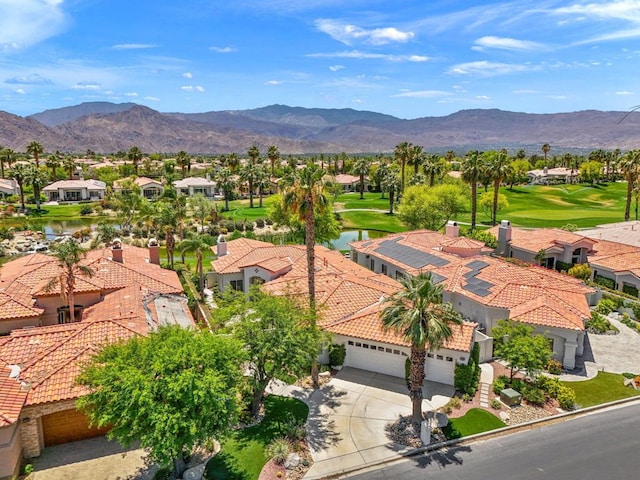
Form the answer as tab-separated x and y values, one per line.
405	58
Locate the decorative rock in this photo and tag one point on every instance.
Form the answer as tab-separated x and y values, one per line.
504	416
292	461
441	420
324	374
194	473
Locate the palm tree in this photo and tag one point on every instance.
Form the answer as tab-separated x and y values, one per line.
135	155
69	164
273	154
249	173
262	182
227	184
233	162
392	184
545	149
472	167
2	161
417	314
628	165
52	163
402	154
432	168
500	167
195	243
6	156
35	149
20	173
381	172
38	179
306	198
253	153
361	168
184	162
416	157
69	254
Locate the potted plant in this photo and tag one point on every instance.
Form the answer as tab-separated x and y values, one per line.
337	354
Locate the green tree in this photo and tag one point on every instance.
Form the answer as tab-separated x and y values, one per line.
69	164
38	179
20	173
581	271
486	202
200	207
499	165
545	149
134	155
432	207
433	166
472	167
254	154
69	255
227	185
402	154
52	163
262	182
591	171
197	244
35	149
628	165
184	162
273	154
361	169
416	157
518	172
171	391
391	183
516	344
277	337
128	203
418	315
249	174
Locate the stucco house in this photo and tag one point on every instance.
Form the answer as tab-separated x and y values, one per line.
41	353
485	289
193	185
349	299
8	187
617	262
552	175
149	188
350	183
75	190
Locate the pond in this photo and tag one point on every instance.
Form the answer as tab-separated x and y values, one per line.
348	236
52	228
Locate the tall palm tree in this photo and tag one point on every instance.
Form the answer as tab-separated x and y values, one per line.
391	183
273	154
500	168
38	179
52	163
20	173
249	174
472	167
628	165
381	172
432	168
262	182
253	153
233	161
195	243
2	161
35	149
417	314
184	162
69	255
306	198
416	157
361	168
6	156
69	164
545	149
227	184
135	155
402	154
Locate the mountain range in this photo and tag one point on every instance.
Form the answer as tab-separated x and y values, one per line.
107	127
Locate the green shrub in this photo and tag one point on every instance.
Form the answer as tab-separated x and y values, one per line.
455	402
597	323
260	223
566	398
294	429
550	385
554	366
534	395
518	385
28	469
606	306
466	377
495	404
630	290
629	375
636	310
581	271
278	450
619	301
605	282
467	398
563	266
86	210
498	385
337	354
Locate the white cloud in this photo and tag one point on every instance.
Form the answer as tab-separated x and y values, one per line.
357	54
20	91
133	46
223	49
422	94
33	79
152	99
192	88
487	69
131	94
86	86
27	22
187	75
336	68
624	92
348	34
482	97
273	82
488	42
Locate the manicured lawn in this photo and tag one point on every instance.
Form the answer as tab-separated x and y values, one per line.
474	421
371	221
606	387
239	209
243	451
64	212
190	258
371	200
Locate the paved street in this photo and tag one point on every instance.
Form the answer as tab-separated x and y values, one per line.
601	445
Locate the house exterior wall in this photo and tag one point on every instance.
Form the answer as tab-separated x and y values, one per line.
31	425
52	303
10	452
252	272
224	280
7	325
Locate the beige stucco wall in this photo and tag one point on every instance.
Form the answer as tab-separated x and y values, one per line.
10	451
7	325
53	302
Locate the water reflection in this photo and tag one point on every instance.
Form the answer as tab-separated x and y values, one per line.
347	236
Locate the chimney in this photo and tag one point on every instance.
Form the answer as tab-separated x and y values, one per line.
116	250
208	177
221	246
452	229
154	251
504	237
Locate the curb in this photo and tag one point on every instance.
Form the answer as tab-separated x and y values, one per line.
485	435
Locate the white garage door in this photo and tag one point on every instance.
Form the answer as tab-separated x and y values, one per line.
377	358
439	369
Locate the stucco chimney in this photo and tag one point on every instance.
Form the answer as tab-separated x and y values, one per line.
504	237
221	246
154	251
452	229
116	250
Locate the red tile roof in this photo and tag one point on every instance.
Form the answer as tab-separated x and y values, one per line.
544	238
12	397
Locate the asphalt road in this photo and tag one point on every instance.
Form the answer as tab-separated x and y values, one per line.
599	446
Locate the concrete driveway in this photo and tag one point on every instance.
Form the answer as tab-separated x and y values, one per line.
349	415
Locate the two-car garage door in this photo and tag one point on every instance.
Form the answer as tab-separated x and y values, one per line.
390	360
67	426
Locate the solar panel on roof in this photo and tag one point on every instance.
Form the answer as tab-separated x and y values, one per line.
409	255
477	265
437	278
366	244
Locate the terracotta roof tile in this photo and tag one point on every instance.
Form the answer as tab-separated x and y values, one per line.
12	397
12	308
544	238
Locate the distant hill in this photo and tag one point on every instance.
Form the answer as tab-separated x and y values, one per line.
106	127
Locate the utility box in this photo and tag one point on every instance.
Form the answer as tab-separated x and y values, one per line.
510	397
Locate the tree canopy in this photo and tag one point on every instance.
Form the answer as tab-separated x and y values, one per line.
170	390
432	207
516	344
